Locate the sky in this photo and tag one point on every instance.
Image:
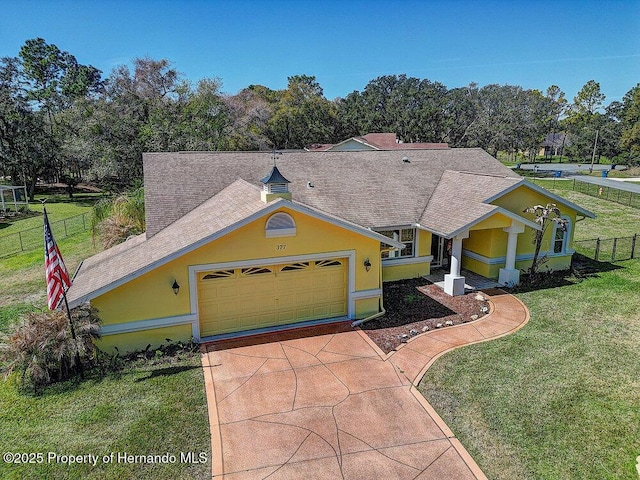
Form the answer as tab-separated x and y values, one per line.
345	44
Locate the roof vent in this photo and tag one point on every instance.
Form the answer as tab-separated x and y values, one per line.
310	185
406	160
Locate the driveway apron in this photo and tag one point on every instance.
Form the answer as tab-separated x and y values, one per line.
328	404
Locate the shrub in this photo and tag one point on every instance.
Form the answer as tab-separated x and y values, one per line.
115	220
40	349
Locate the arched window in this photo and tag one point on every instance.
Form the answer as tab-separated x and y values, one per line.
560	237
280	225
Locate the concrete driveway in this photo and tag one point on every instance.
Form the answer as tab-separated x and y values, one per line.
327	403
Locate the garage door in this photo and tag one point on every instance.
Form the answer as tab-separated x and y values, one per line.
239	299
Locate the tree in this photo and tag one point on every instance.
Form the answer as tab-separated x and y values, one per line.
302	115
544	216
584	121
630	118
38	86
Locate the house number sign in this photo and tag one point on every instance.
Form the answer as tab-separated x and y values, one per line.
281	246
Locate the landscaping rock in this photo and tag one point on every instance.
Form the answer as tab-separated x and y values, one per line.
449	323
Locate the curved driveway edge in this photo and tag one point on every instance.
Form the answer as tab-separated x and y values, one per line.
334	406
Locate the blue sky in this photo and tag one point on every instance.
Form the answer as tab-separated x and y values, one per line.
345	44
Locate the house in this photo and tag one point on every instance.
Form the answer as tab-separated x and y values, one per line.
554	144
235	243
373	141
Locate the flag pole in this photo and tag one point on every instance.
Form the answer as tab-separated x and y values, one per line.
64	294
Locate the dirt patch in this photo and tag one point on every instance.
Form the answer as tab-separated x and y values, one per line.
416	306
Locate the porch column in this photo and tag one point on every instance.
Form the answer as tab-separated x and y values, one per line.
453	282
510	275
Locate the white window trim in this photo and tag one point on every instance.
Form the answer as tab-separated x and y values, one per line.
565	238
414	242
279	232
388	262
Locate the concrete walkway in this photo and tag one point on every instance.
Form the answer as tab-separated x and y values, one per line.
327	403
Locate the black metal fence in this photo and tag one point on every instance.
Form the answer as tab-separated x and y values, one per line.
609	249
33	238
623	197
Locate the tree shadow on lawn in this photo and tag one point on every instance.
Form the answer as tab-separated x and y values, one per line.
581	267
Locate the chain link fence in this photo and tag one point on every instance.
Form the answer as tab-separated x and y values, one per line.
33	238
623	197
609	249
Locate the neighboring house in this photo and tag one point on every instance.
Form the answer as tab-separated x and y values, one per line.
373	141
247	245
554	144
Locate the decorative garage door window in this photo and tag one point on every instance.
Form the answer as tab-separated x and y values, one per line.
219	274
256	271
295	266
329	263
404	235
280	225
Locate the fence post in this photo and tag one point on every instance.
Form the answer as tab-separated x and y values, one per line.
20	239
633	245
597	248
84	225
613	250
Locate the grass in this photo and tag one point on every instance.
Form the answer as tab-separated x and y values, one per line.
612	219
558	399
146	409
22	277
55	210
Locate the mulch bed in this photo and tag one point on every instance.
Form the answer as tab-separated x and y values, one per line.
416	306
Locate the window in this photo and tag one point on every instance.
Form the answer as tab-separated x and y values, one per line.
295	266
280	225
561	236
404	235
218	274
255	271
328	263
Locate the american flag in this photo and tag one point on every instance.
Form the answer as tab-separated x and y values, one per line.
57	274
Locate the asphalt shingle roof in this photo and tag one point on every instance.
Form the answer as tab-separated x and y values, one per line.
370	189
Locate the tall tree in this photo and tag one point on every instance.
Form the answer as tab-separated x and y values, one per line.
302	116
584	121
630	117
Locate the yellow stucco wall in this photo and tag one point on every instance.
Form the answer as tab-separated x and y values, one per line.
128	342
150	296
523	197
366	307
493	243
392	272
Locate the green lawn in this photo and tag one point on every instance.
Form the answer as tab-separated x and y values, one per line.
560	398
146	410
